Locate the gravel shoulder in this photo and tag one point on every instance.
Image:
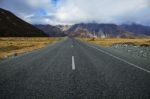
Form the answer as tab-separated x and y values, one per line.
133	50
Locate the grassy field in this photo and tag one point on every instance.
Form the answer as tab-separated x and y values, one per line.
111	41
15	46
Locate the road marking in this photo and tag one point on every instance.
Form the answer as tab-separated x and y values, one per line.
71	46
73	63
120	59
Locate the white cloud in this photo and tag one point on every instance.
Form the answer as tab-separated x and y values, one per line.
76	11
38	3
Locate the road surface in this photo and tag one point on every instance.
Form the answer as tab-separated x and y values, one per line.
72	69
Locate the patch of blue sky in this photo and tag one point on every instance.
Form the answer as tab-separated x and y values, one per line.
55	2
41	12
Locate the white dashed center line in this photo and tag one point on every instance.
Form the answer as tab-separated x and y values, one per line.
73	63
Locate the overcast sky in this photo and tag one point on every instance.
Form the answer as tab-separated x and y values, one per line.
77	11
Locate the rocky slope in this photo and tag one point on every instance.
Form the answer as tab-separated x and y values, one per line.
100	30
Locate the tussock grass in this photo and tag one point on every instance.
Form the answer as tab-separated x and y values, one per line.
17	45
112	41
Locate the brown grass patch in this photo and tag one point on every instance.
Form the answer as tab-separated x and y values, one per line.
111	41
13	46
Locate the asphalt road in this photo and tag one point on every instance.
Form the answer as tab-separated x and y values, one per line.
73	69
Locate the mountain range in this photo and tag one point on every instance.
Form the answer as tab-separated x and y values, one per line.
12	26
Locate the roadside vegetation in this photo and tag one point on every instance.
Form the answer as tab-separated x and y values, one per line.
112	41
14	46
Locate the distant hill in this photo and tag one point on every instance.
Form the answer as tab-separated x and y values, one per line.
52	31
12	26
64	27
100	30
137	29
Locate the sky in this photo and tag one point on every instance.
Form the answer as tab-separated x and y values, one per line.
80	11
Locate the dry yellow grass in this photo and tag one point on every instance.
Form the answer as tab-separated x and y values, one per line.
14	46
111	41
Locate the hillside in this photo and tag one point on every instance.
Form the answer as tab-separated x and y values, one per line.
12	26
100	30
52	31
137	28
